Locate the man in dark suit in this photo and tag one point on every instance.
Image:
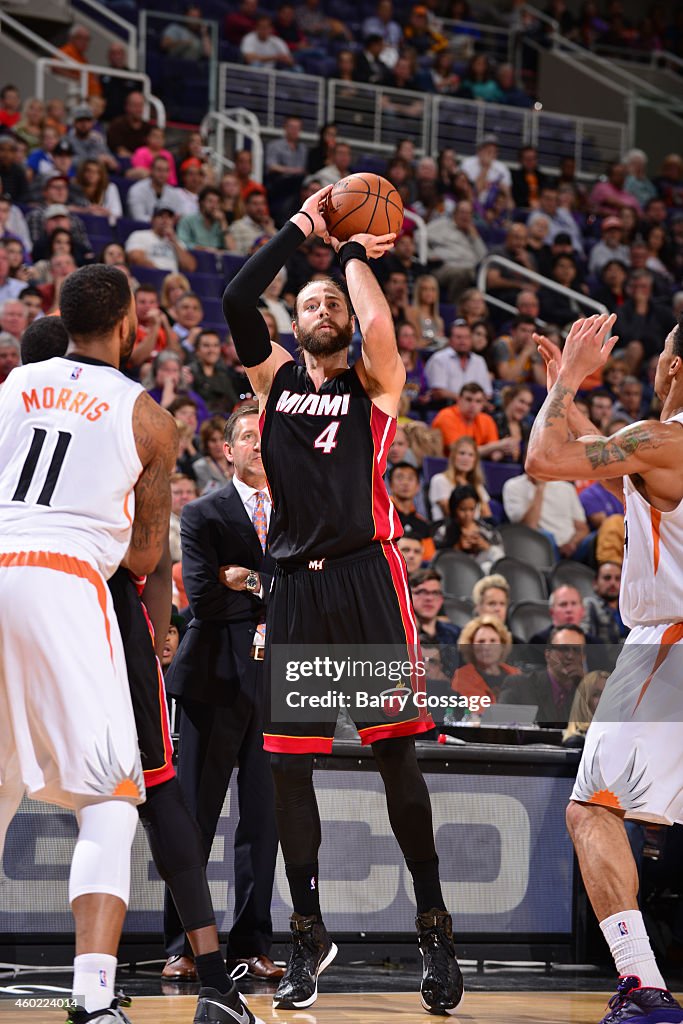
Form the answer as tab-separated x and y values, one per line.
552	688
217	678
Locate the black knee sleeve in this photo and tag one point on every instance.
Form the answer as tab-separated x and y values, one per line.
176	844
296	808
408	803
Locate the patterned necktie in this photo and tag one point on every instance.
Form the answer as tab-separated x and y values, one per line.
259	519
261	526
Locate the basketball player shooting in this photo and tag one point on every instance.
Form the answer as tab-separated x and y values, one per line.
631	766
326	431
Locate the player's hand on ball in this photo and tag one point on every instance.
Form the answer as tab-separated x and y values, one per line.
313	207
374	245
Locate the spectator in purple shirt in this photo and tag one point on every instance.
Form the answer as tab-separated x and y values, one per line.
171	381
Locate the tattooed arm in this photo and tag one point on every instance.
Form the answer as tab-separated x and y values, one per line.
554	454
157	443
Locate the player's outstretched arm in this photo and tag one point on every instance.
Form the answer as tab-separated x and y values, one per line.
580	425
383	371
553	453
259	356
156	439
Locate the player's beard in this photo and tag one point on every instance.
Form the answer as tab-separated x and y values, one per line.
325	343
127	348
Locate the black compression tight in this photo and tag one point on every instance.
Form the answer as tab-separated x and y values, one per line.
408	804
178	852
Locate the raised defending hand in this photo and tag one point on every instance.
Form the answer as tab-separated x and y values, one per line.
374	245
589	345
552	357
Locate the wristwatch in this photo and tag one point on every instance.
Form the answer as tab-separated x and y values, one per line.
252	582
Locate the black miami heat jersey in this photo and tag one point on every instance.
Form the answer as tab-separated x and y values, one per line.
325	455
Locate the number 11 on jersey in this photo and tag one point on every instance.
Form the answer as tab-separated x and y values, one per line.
327	440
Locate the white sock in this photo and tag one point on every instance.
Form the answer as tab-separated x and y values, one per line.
94	977
630	946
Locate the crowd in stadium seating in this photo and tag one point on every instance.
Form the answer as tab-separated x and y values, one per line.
101	183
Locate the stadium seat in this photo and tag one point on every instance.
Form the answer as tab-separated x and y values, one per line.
459	571
497	473
526	583
458	609
431	465
207	262
526	618
527	545
573	574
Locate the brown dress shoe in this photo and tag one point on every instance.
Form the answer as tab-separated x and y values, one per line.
258	967
180	968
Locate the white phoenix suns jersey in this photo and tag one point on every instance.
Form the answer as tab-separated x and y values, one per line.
68	460
652	573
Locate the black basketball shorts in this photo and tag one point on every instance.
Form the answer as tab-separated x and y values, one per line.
361	598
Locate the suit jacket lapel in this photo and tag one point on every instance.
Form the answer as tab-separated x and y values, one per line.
240	523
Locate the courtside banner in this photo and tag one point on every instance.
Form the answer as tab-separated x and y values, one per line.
506	859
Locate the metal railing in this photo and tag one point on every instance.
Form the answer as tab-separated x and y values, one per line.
244	124
117	25
272	95
466	37
379	115
80	72
370	116
37	42
144	17
529	275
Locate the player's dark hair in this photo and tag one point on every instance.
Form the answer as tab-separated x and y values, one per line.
234	419
678	337
93	301
44	339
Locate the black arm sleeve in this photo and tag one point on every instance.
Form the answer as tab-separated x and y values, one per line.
240	298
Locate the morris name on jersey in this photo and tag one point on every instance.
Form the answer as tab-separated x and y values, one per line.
78	402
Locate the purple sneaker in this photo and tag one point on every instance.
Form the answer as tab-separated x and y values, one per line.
639	1005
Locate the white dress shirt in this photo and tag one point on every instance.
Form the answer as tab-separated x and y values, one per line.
445	370
248	496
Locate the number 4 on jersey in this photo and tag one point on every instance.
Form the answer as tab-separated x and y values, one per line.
327	440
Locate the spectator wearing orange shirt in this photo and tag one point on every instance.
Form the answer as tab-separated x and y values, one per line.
484	643
77	50
466	419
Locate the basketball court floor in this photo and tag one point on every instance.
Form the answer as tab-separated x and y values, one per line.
351	994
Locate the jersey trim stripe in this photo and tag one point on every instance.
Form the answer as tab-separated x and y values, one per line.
62	563
671	635
656	523
278	744
166	771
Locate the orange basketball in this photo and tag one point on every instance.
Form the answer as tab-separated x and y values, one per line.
363	204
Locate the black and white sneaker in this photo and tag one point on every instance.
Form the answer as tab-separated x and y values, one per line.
312	952
442	985
112	1014
214	1007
